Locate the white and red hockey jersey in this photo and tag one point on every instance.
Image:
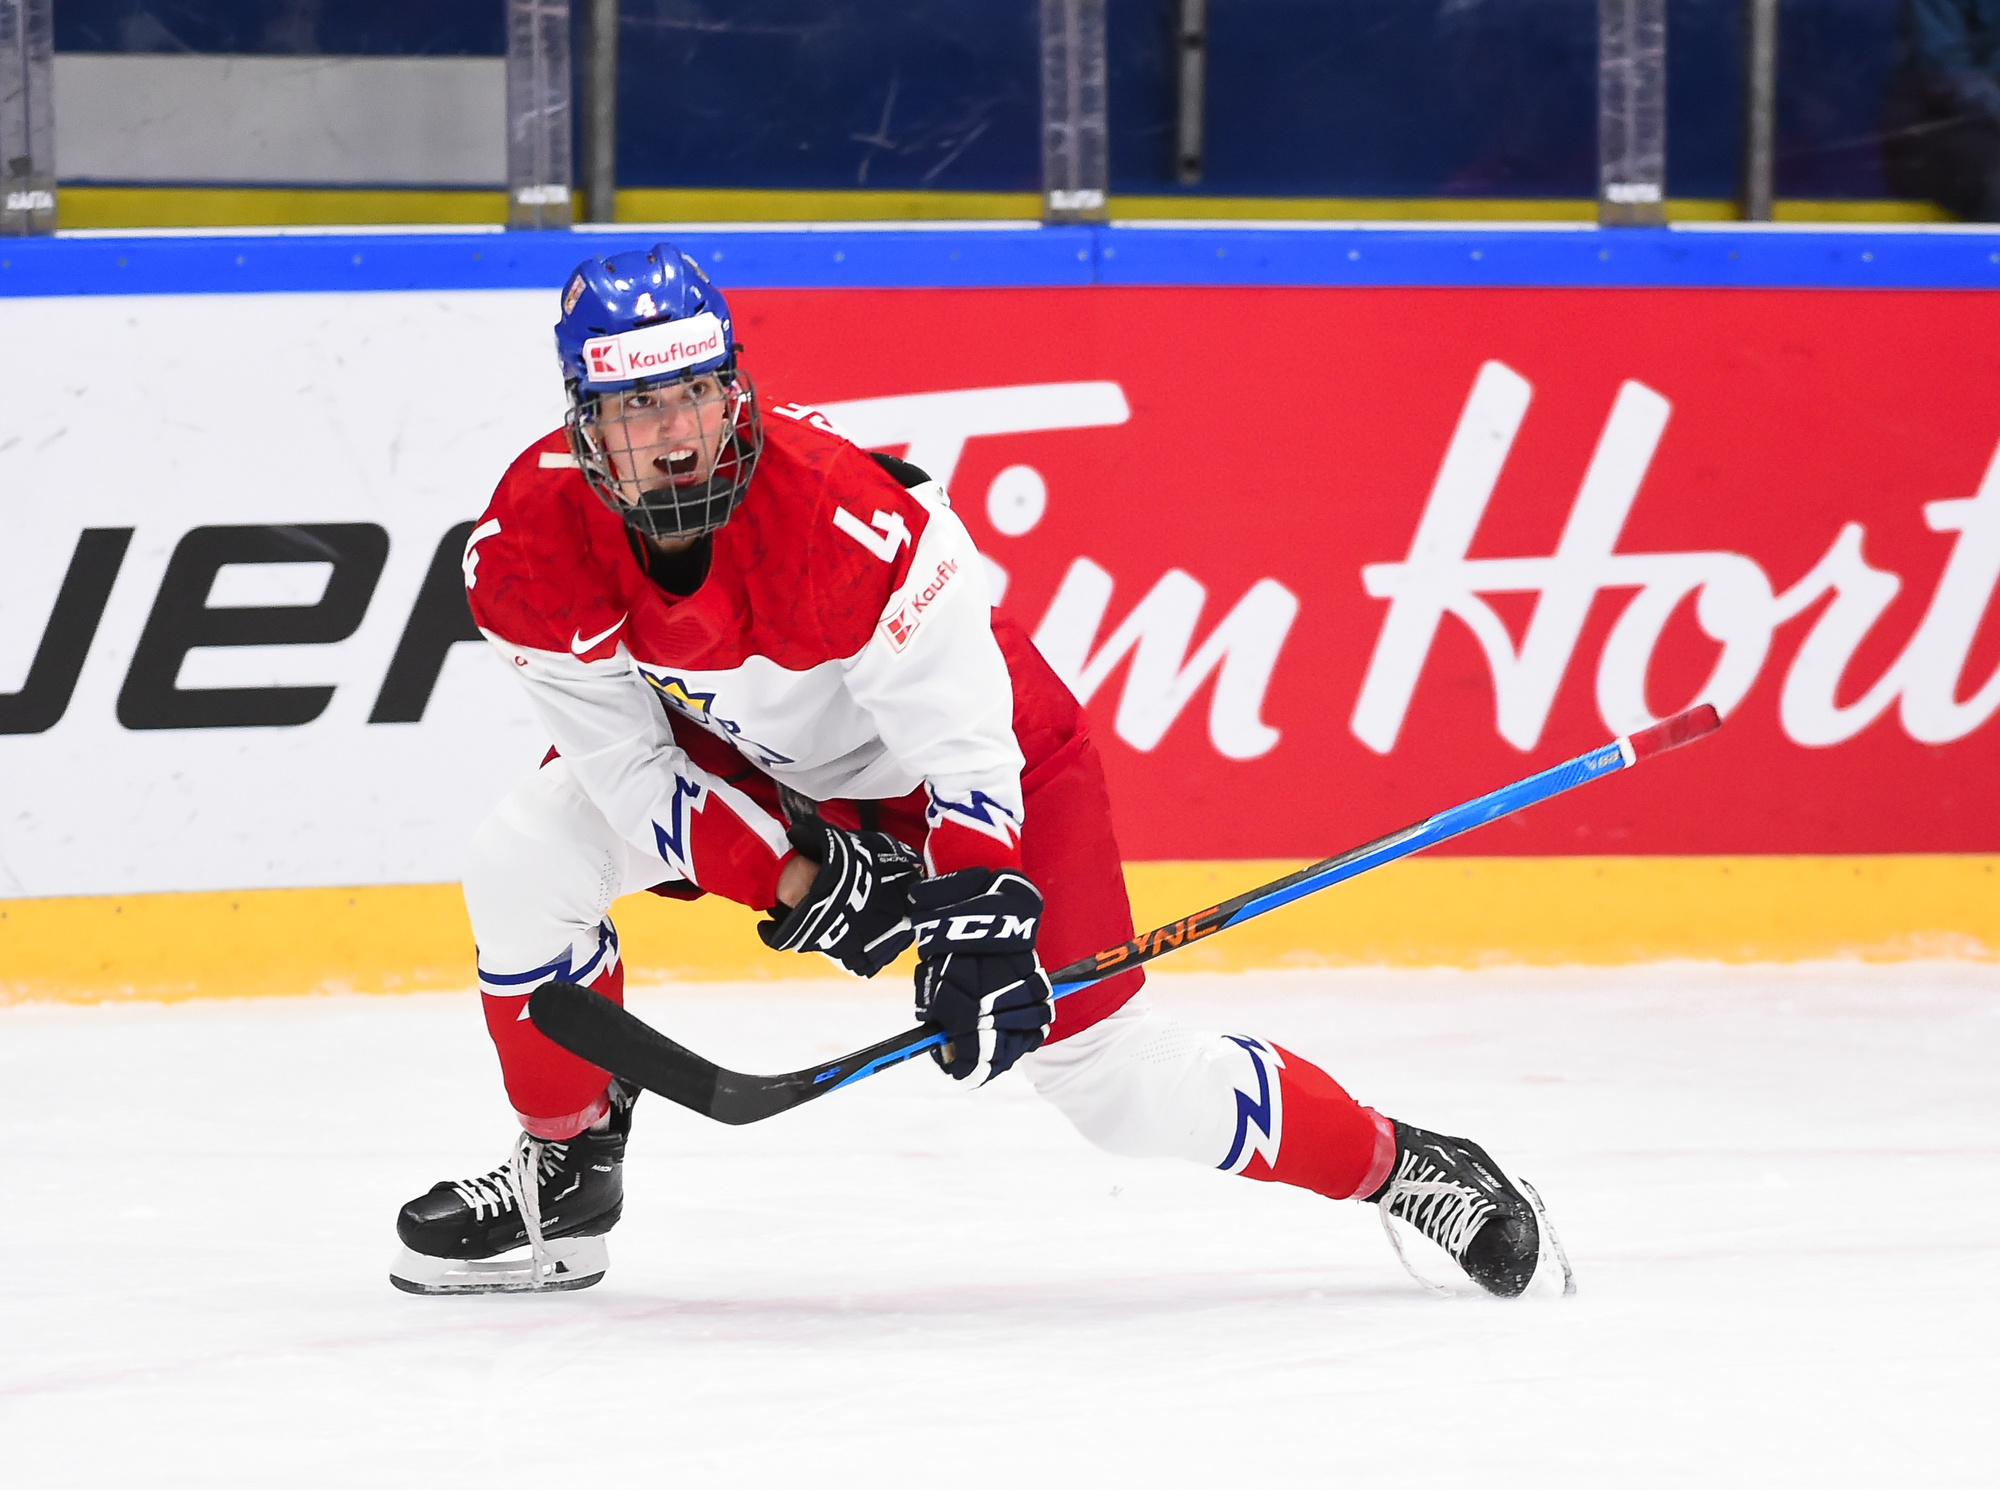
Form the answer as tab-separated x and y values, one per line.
842	643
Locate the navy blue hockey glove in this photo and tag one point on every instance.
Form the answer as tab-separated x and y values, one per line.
857	911
978	978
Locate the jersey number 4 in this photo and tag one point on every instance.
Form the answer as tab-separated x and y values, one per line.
882	539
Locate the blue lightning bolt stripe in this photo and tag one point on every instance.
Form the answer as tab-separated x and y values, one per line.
607	942
1247	1111
980	809
674	845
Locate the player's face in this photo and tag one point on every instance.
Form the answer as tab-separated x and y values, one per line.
662	436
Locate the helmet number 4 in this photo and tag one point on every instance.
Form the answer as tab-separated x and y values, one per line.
882	537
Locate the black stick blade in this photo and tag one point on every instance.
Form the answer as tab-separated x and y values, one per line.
590	1025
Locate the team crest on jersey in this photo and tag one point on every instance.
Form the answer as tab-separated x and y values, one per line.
700	707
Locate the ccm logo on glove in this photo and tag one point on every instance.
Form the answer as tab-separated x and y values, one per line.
979	928
978	978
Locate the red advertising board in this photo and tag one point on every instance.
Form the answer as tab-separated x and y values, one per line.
1325	561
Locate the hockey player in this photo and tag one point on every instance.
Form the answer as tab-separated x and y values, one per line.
770	672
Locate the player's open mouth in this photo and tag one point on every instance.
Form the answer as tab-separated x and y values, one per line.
679	464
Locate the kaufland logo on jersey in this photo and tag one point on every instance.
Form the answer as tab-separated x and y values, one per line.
653	351
902	625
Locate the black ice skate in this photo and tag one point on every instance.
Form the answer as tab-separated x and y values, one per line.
454	1234
1452	1192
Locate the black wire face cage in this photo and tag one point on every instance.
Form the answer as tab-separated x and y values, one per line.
679	503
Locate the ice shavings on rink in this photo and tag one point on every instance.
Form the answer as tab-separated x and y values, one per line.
1780	1188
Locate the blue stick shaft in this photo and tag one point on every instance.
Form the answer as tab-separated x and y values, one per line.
1669	734
1432	830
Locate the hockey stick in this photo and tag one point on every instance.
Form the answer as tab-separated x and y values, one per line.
590	1025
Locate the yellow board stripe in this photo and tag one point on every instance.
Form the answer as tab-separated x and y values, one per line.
1466	912
113	207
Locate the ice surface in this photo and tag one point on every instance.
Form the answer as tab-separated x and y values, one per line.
1780	1187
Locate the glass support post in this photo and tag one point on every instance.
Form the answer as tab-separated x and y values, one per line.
1631	112
1193	77
1760	107
27	118
538	108
1076	163
600	114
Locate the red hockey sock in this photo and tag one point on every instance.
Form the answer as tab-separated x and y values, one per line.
1319	1137
555	1094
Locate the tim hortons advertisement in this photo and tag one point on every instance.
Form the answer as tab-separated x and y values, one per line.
1320	561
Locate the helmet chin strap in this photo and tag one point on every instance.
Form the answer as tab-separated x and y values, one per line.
678	494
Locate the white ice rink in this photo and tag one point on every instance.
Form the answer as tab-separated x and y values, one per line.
1780	1188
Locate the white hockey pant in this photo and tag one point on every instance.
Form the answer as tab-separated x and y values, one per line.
1142	1085
542	872
545	866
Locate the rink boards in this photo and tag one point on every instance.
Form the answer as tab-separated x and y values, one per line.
1332	528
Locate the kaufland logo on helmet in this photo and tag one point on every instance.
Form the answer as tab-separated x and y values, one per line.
653	351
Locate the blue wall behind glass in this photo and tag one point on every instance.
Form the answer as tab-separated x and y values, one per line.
1306	97
808	94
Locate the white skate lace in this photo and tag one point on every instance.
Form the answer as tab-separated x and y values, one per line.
525	1170
1447	1212
494	1191
487	1192
518	1182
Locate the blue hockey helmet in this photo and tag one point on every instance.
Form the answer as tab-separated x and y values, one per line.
662	420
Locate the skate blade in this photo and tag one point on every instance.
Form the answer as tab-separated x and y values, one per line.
1551	1252
577	1262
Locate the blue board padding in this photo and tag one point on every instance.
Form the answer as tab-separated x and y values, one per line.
1554	257
510	261
1025	255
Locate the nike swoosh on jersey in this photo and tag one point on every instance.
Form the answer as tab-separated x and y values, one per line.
579	644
